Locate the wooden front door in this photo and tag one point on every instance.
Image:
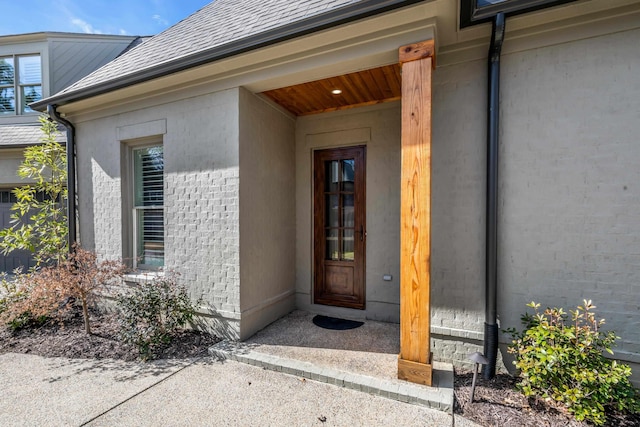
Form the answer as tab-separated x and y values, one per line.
339	227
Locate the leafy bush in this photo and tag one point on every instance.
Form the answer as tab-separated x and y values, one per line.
563	360
152	312
13	290
50	291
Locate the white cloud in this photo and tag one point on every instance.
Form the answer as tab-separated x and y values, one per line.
85	26
160	20
123	32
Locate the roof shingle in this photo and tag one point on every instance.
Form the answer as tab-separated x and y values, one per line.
218	23
22	135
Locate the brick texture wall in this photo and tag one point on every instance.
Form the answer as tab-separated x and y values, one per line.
569	207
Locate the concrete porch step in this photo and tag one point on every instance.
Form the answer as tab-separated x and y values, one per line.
440	396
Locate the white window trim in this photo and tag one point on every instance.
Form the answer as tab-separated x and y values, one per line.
17	86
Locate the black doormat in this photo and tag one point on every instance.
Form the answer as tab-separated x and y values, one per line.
335	323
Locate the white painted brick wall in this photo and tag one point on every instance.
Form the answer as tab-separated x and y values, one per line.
201	192
570	198
458	203
569	172
99	188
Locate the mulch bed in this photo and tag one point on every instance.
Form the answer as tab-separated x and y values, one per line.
69	340
498	403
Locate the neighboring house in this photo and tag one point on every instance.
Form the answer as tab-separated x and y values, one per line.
219	149
33	66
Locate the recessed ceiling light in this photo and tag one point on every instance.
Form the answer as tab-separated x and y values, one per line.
336	91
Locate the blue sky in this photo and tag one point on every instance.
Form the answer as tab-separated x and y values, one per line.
132	17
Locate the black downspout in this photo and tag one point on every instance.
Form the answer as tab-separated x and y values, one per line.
71	172
491	284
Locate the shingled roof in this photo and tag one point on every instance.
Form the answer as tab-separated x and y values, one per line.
14	136
220	29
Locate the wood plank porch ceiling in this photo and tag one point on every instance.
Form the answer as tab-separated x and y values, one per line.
368	87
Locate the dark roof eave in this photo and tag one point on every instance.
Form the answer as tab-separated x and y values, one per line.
316	23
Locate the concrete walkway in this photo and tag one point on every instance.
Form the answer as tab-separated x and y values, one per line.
36	391
362	359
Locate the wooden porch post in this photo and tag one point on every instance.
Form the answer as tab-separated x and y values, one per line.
414	360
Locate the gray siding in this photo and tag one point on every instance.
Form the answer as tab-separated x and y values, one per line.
73	59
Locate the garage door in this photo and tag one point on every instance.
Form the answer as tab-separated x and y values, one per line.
16	258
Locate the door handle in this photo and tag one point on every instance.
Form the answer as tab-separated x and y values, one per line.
362	234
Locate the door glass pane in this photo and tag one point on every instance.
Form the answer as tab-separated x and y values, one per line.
332	245
348	174
333	217
347	245
347	210
332	173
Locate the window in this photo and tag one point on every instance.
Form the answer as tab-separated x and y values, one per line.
20	83
477	11
148	206
7	196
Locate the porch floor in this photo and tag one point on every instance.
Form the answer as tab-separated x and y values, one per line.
363	359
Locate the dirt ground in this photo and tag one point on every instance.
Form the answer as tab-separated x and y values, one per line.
496	403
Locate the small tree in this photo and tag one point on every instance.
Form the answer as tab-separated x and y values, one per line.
46	293
39	218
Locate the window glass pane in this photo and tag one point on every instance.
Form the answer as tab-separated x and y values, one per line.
333	217
149	200
332	172
332	245
348	174
7	72
347	245
30	70
482	3
7	100
149	176
150	225
30	94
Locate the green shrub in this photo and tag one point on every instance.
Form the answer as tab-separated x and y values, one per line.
151	312
562	360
